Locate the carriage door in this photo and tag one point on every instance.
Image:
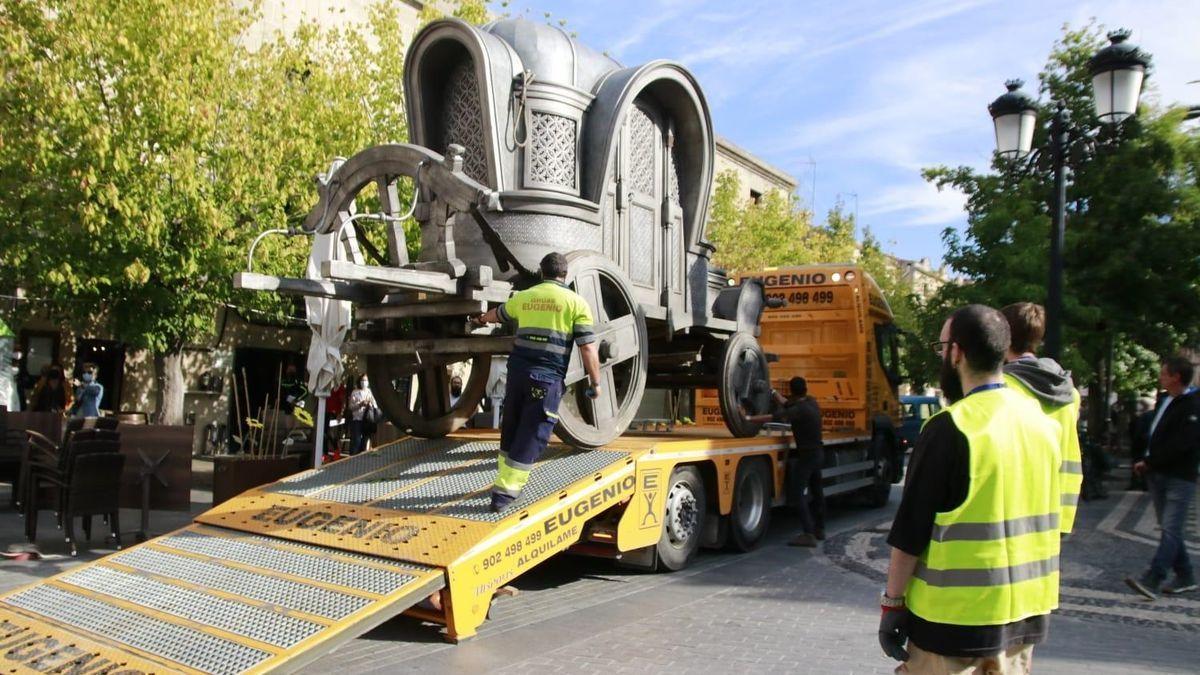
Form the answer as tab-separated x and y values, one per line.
643	143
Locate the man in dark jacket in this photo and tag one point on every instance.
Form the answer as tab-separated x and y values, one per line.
804	467
1170	468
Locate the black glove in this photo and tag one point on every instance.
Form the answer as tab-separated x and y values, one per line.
893	633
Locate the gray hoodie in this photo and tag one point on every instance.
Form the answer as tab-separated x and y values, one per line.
1045	378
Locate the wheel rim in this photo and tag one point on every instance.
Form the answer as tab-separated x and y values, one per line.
417	399
683	516
750	500
621	332
745	382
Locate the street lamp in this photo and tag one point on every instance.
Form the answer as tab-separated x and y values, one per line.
1117	74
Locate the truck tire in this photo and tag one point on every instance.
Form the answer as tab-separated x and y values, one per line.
751	514
881	453
683	520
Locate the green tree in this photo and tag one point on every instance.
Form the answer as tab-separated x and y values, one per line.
1132	242
142	146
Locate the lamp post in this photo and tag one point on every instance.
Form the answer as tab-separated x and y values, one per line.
1117	71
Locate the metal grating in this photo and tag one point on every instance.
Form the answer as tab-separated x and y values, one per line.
546	479
282	592
258	623
380	485
644	140
314	480
552	155
463	121
181	644
318	568
415	567
641	244
446	488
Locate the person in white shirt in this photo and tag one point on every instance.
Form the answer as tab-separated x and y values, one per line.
361	430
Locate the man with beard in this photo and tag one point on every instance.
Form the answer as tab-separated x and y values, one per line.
973	574
1046	382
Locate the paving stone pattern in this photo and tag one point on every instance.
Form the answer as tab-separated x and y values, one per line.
777	609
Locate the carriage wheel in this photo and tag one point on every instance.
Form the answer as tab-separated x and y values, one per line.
621	335
416	397
745	383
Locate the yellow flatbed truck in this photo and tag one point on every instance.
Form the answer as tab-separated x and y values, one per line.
280	575
830	324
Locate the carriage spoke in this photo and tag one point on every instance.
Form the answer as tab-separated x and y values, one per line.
606	405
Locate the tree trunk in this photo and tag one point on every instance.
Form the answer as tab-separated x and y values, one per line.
168	375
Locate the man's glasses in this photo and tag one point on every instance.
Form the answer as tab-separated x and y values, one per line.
939	347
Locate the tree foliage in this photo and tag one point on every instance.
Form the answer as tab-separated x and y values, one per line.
1132	245
143	145
776	231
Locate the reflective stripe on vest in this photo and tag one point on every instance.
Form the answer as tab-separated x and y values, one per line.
994	559
1066	416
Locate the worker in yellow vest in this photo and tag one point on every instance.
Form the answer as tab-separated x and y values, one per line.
1046	382
549	317
973	575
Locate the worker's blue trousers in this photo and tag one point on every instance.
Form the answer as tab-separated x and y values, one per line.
531	401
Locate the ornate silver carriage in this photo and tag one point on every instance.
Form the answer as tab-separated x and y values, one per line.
525	142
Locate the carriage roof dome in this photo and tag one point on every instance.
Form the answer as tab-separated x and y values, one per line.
552	54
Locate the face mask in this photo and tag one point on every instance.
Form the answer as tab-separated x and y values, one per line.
363	384
16	356
88	377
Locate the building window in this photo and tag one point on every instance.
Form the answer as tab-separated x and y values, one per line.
756	196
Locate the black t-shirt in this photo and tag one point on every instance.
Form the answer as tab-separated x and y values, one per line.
937	480
805	417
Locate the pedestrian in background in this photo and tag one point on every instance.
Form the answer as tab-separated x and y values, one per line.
1045	381
88	393
1170	467
803	413
362	405
973	574
50	392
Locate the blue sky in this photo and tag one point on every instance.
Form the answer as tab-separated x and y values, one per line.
861	94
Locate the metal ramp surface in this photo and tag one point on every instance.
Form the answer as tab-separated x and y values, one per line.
281	575
422	500
208	600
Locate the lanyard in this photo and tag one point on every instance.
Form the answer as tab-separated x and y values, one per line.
986	387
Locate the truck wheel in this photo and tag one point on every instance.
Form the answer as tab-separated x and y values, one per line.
881	490
751	513
683	522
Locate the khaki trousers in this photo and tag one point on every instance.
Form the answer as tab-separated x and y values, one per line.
1014	661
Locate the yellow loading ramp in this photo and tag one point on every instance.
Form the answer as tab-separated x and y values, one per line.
279	576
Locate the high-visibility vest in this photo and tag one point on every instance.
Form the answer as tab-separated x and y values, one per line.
1066	415
994	559
549	317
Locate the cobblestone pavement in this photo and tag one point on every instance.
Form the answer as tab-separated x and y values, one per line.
781	609
777	609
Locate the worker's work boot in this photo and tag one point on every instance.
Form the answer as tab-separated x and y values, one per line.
501	502
805	540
